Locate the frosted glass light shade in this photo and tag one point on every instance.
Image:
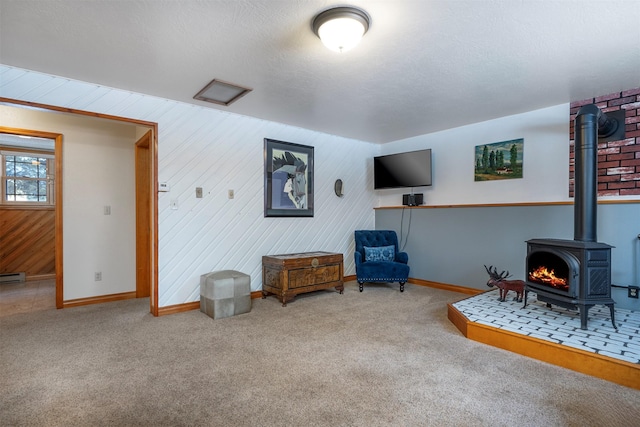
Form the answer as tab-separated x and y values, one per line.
341	28
341	34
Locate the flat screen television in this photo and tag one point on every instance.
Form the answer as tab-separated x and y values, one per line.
410	169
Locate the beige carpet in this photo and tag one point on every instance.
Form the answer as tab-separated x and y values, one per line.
377	358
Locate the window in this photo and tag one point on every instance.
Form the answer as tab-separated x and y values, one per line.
27	178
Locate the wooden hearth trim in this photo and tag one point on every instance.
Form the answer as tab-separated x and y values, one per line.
617	371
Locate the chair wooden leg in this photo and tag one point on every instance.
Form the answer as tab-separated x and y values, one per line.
401	286
361	284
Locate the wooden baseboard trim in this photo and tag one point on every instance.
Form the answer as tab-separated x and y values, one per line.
179	308
437	285
194	305
35	277
98	300
617	371
446	286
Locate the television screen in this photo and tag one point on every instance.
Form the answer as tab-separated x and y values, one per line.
411	169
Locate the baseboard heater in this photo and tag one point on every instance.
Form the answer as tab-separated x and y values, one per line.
12	277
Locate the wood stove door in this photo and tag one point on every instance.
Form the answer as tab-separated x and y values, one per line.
553	270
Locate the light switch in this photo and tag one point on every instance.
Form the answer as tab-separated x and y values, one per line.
231	194
199	192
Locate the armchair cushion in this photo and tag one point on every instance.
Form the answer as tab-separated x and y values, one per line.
380	253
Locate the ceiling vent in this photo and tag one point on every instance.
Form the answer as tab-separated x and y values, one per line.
222	93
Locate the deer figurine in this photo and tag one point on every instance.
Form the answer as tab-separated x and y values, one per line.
505	286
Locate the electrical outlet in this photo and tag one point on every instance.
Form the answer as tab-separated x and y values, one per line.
98	276
107	210
634	291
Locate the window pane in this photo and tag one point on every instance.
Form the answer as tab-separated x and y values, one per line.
42	170
26	179
9	165
27	170
26	187
10	189
28	167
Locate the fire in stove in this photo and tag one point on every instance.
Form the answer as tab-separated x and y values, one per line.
548	277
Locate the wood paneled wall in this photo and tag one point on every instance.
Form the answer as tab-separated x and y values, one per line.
27	241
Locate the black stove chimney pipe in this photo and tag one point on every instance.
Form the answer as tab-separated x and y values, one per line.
587	122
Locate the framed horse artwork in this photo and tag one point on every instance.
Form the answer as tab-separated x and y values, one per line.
288	179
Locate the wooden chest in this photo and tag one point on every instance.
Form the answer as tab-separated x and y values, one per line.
291	274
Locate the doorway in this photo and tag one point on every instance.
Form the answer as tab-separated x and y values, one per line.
27	215
146	207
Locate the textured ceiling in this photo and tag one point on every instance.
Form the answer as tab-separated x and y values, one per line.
423	66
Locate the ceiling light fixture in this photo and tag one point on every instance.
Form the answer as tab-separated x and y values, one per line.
341	28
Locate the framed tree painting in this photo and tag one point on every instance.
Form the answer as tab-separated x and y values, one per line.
499	160
288	179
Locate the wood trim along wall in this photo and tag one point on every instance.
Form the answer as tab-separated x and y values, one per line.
501	205
59	228
430	284
99	299
34	278
179	308
143	213
74	111
195	305
446	287
153	300
617	371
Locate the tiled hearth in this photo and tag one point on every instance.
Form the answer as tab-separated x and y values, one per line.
559	325
554	334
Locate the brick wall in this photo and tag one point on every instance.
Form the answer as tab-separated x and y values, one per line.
618	161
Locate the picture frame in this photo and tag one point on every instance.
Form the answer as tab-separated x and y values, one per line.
499	160
288	179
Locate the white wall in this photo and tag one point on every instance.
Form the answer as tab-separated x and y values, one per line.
546	161
452	245
97	171
218	151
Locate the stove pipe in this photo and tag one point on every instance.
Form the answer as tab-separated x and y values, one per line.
588	123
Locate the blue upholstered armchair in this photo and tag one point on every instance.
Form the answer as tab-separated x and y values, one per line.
378	259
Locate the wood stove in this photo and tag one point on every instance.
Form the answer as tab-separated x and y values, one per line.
576	274
571	274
